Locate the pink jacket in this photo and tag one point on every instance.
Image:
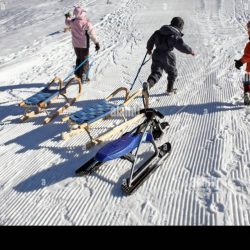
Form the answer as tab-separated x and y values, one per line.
81	29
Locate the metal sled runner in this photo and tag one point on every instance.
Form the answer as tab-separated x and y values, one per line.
127	148
42	100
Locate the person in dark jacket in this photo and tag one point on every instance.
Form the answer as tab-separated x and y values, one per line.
166	39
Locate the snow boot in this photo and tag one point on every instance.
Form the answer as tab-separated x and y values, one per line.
171	92
170	88
247	98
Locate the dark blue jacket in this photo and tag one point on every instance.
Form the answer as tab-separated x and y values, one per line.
166	39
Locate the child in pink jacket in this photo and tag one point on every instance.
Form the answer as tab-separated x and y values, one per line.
82	32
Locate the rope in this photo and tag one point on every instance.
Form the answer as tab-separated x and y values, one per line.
79	66
138	72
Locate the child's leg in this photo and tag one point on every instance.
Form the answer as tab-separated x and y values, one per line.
172	75
85	54
246	83
78	61
81	55
156	74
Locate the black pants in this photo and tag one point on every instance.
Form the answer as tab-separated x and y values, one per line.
163	63
81	55
246	83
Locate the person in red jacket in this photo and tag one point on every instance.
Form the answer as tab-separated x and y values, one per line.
246	60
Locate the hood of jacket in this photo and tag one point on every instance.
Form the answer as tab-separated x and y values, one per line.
79	13
168	30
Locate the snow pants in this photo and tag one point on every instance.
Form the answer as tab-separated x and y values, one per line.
246	83
162	63
81	56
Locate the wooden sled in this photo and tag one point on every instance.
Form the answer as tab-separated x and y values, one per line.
42	100
87	118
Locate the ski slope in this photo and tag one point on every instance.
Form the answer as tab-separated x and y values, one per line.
206	179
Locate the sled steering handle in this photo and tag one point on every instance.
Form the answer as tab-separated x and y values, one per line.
151	113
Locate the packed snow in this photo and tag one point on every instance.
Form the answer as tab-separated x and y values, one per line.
206	179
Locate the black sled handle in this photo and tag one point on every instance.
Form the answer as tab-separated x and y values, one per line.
152	113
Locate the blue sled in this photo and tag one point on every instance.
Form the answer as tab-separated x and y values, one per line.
150	131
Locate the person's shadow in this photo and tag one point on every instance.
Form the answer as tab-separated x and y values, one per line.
198	109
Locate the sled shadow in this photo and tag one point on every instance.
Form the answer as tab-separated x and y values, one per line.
22	86
32	140
13	109
52	131
57	173
45	178
9	110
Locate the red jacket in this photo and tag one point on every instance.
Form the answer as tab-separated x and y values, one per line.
246	57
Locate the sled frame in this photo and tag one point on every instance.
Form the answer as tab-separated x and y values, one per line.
32	110
85	127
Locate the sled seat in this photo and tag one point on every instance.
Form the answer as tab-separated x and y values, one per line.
119	148
94	112
44	96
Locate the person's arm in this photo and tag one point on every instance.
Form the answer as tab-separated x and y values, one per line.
68	19
91	33
183	47
151	42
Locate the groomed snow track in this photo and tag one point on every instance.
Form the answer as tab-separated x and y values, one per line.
206	179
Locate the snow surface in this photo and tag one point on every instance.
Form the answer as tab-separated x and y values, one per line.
205	181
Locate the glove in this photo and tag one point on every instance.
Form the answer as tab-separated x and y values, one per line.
238	64
97	47
150	52
67	15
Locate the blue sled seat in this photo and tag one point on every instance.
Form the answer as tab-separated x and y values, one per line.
119	148
93	113
44	95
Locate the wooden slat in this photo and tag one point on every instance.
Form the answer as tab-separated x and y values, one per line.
115	131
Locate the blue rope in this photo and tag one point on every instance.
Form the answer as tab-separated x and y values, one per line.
78	67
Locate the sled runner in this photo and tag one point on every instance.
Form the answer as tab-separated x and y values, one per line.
42	100
127	148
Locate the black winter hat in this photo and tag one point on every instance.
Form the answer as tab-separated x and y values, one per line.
178	23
